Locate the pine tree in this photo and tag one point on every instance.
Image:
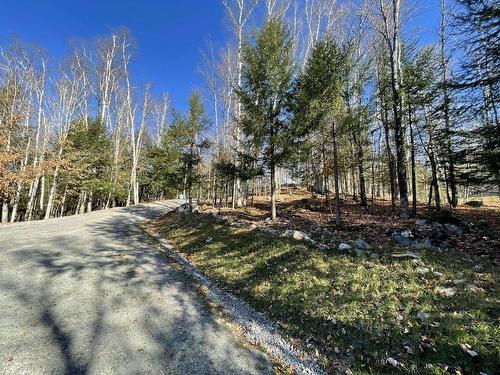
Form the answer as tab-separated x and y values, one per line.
265	96
478	26
320	98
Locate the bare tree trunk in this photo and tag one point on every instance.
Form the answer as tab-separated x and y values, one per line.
336	175
453	200
391	32
273	192
413	167
5	211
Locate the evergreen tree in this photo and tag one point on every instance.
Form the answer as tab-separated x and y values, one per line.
89	158
319	101
265	96
479	83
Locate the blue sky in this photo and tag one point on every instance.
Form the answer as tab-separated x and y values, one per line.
170	33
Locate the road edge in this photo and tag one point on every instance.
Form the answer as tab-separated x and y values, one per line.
255	326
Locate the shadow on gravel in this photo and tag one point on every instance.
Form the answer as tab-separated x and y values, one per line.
108	302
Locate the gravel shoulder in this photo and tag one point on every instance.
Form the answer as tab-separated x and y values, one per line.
91	294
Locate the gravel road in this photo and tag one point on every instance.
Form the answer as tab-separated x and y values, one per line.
91	294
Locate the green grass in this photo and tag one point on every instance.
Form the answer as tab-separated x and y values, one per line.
353	310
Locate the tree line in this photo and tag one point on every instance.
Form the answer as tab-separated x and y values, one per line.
338	97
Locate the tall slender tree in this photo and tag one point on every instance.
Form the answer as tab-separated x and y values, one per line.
265	95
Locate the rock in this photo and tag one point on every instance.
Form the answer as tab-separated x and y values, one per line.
269	230
439	236
425	245
374	256
421	222
344	247
405	255
361	244
209	239
458	282
477	268
474	289
467	349
423	315
391	361
446	292
406	233
437	274
182	208
252	226
455	229
422	270
323	247
297	235
445	246
401	240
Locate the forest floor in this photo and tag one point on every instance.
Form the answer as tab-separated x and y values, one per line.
413	296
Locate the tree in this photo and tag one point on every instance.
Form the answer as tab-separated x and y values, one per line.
420	88
88	154
320	97
389	26
265	95
239	12
478	29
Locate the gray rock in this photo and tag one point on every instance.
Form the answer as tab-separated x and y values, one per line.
361	244
474	289
477	268
297	235
323	247
374	256
405	255
446	292
400	240
268	230
423	315
424	245
445	246
421	222
455	229
458	282
344	247
422	270
406	233
391	361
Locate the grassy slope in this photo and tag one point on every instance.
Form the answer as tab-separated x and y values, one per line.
364	309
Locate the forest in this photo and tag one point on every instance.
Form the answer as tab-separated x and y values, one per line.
325	201
337	97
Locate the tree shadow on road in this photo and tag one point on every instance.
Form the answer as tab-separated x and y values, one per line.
110	302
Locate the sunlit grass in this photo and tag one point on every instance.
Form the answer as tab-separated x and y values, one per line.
356	310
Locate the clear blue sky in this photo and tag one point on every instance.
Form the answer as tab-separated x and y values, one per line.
170	33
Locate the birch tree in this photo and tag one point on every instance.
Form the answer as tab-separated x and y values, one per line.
388	24
239	12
